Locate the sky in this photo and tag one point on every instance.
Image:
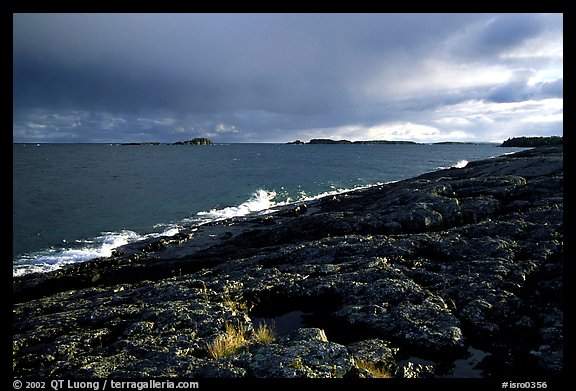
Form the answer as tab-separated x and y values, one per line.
274	78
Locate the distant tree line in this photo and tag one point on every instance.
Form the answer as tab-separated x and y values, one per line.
532	141
329	141
195	141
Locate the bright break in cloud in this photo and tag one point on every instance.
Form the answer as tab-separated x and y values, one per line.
281	77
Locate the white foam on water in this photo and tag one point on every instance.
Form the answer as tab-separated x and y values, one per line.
461	164
260	200
337	191
170	230
55	258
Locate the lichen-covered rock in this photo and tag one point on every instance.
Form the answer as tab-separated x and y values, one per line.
375	351
406	311
411	370
304	353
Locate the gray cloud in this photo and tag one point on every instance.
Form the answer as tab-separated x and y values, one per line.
507	32
518	88
269	77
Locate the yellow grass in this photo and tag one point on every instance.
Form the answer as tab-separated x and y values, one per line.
264	334
375	371
229	343
236	337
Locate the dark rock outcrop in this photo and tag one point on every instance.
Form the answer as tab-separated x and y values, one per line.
195	141
406	276
533	141
328	141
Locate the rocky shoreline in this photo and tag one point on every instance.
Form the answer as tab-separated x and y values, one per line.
455	273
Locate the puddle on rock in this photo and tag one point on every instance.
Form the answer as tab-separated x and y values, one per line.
460	368
468	367
336	330
283	324
285	319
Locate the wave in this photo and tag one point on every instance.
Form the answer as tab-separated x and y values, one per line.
54	258
336	191
85	250
264	201
459	164
103	245
261	201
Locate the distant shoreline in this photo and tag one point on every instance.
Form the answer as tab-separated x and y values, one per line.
386	142
195	141
520	142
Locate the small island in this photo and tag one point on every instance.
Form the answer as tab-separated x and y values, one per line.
194	141
533	141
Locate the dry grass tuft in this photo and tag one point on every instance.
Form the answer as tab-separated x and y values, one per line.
235	337
234	303
375	371
227	344
264	334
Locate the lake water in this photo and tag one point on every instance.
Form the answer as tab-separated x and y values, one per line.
74	202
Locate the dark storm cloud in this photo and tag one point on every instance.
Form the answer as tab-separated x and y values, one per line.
506	32
143	62
490	36
266	77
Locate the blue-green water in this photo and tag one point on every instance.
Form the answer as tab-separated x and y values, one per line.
74	202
